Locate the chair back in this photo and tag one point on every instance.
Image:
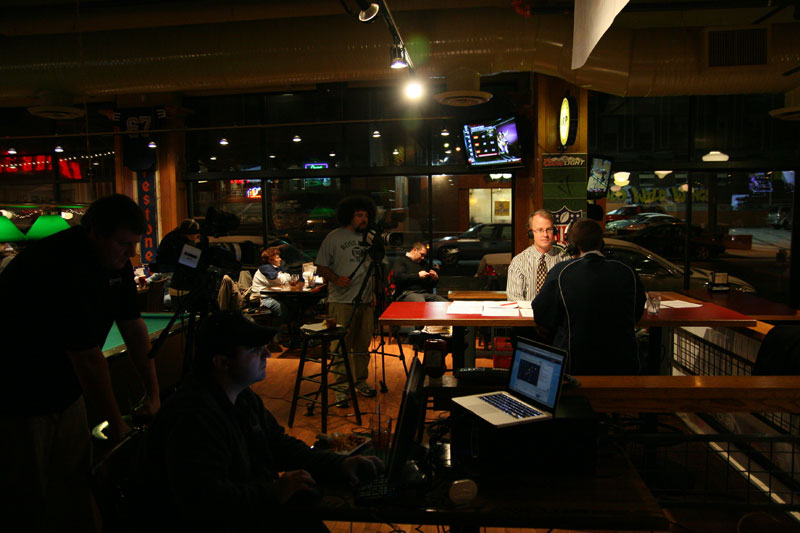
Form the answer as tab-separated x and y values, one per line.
154	302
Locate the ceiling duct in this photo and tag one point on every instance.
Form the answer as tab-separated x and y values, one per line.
791	109
463	89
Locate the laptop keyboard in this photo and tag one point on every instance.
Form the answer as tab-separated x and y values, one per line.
510	405
378	489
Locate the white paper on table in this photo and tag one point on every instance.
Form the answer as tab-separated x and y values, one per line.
525	305
465	307
500	311
526	313
679	304
499	303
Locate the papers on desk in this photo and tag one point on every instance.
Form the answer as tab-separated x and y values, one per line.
314	327
679	304
490	308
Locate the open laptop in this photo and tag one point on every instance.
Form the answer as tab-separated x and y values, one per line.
533	389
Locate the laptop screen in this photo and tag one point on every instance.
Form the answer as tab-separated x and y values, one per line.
536	372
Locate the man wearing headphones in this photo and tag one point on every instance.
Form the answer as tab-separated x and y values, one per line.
528	269
592	303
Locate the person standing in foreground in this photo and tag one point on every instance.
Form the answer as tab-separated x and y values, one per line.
343	261
592	303
53	358
528	269
215	459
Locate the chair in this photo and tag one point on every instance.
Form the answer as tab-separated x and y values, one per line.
112	485
154	302
326	360
779	354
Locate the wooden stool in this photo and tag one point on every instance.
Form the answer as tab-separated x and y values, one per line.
325	337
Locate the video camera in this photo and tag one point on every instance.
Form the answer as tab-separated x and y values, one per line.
375	240
202	265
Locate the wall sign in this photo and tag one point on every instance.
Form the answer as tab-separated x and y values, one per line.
564	185
146	185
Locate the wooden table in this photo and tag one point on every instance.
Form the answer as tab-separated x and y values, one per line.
660	394
614	498
296	291
747	303
435	314
476	295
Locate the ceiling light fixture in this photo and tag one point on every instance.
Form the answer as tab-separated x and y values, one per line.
223	141
11	151
376	134
296	139
213	158
414	89
332	154
272	156
368	10
445	133
622	178
398	56
662	173
58	149
715	155
152	144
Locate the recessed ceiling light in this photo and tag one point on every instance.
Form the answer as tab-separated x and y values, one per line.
445	133
376	134
396	152
213	158
11	151
223	141
272	156
152	144
296	139
332	154
58	149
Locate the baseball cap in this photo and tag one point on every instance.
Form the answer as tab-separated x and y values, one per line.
224	330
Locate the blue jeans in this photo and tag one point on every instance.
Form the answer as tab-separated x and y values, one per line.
277	308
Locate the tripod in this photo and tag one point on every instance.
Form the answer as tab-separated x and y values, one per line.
376	270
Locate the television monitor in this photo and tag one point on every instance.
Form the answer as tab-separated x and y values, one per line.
760	183
788	179
410	418
599	178
493	143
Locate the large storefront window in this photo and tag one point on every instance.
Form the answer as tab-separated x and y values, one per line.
741	223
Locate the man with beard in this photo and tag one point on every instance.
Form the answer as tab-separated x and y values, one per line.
343	262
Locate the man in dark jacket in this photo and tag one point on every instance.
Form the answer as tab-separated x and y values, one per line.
592	304
413	282
214	455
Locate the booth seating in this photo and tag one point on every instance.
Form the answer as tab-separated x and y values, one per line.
326	360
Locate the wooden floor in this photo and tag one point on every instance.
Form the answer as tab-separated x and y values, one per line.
276	391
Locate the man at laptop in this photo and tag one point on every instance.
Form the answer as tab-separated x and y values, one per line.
215	459
592	304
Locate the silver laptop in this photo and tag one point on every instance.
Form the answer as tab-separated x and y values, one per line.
533	388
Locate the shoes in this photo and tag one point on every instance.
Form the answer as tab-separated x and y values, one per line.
342	400
364	389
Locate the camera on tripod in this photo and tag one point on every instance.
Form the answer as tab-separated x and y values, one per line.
375	240
203	265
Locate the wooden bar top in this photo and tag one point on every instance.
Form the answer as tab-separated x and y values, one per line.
659	394
476	295
748	304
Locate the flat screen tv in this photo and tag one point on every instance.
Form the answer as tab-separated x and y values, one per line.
493	143
599	177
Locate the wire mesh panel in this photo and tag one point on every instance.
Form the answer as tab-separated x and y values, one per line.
742	471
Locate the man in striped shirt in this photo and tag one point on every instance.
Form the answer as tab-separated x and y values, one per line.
528	269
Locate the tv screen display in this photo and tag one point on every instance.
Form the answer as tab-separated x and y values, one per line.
493	143
760	183
599	176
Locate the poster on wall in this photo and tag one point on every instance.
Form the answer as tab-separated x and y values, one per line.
502	208
564	181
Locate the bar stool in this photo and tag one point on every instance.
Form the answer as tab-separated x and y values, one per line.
326	360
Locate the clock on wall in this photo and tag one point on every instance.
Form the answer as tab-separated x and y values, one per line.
567	122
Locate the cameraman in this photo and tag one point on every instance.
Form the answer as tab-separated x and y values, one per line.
169	251
343	261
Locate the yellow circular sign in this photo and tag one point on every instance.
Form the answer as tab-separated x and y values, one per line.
564	122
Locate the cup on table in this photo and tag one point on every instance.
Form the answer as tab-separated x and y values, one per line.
293	279
330	321
653	303
380	430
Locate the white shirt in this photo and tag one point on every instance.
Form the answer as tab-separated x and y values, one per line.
521	283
